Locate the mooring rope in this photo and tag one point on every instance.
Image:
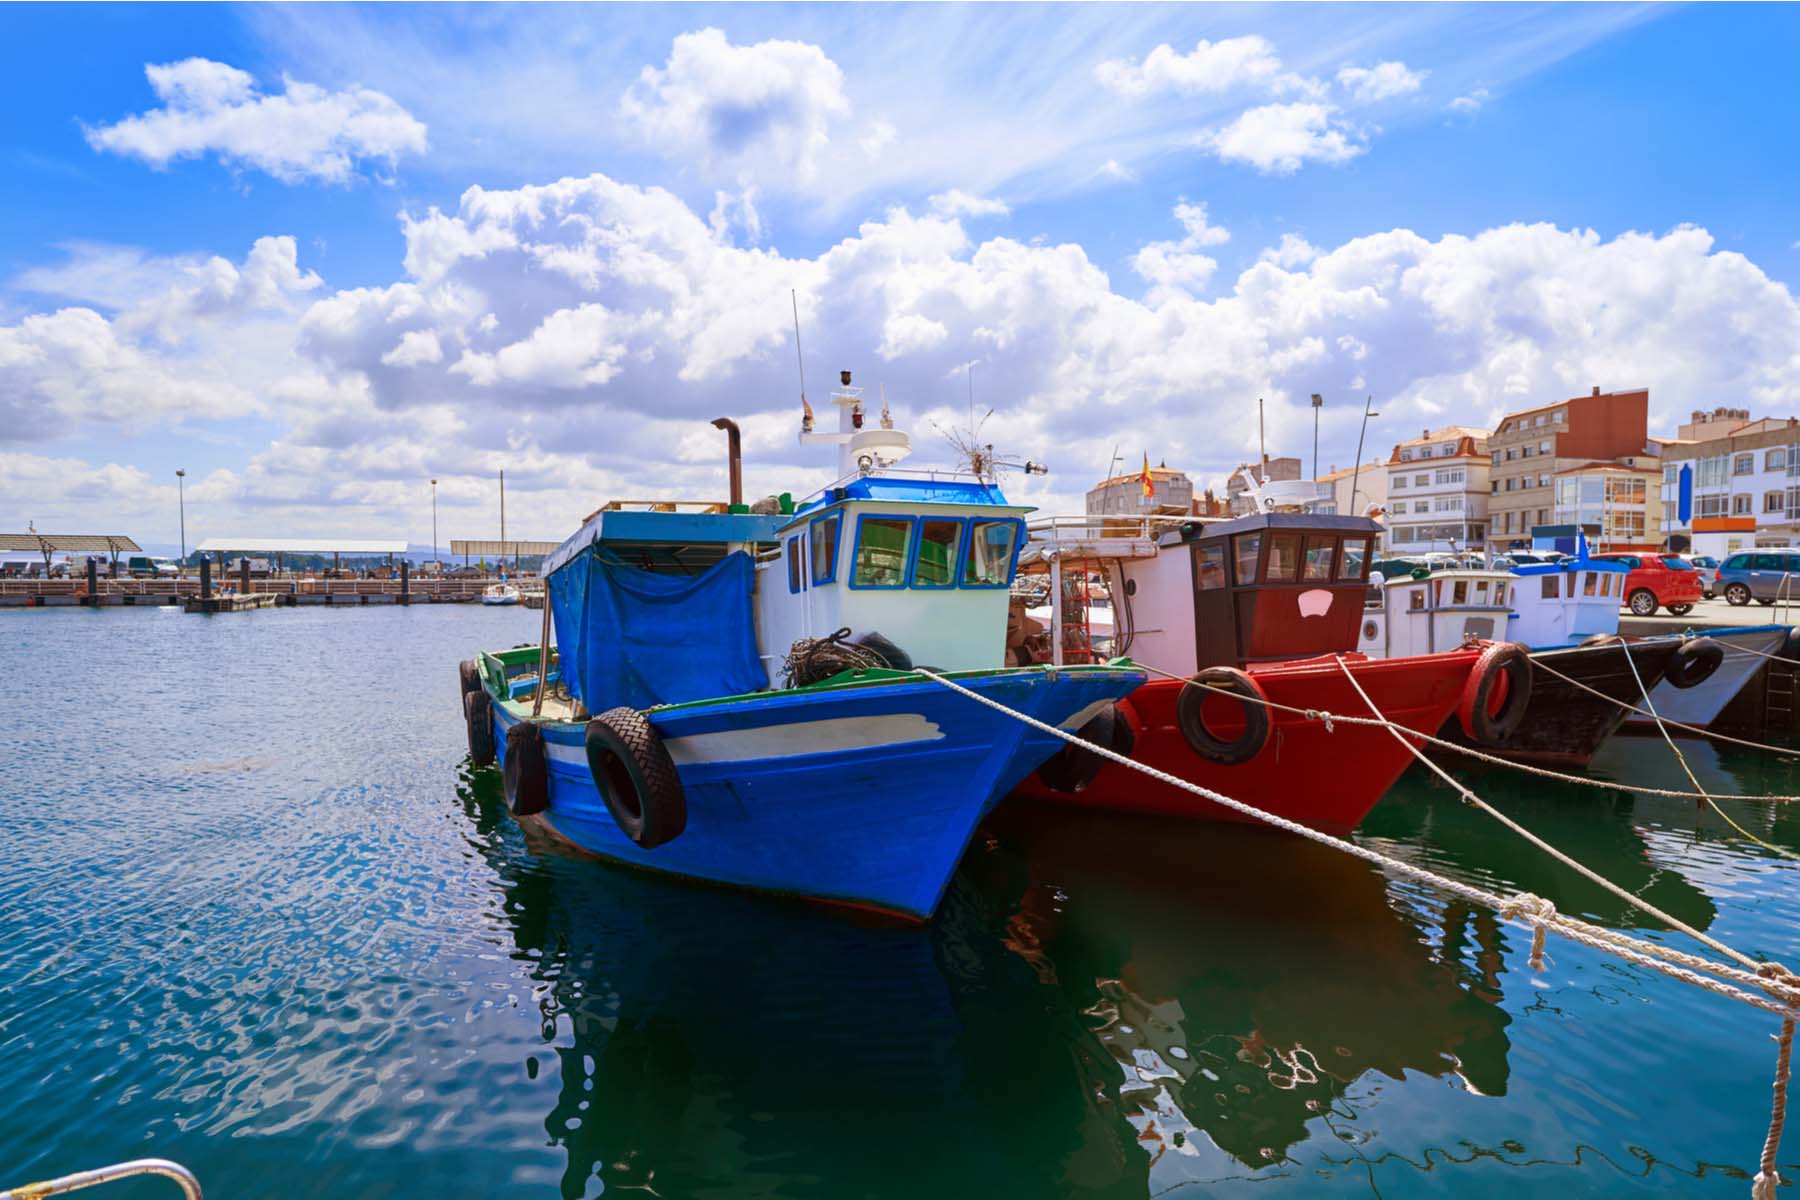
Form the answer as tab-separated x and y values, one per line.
1780	988
1629	707
1330	718
1631	661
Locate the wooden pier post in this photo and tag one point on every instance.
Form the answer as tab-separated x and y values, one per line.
93	583
205	577
405	582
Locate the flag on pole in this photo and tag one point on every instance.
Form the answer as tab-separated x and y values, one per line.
1144	478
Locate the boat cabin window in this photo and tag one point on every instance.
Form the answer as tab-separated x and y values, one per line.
940	542
881	550
1587	583
1415	600
795	579
1374	597
1548	585
1355	562
825	547
1481	591
1316	563
993	548
1284	558
1460	594
1209	567
1500	595
1244	549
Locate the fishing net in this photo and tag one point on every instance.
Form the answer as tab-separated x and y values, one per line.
810	660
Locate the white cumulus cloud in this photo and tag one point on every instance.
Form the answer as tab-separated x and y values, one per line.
1279	138
1180	264
1208	67
770	105
958	203
1470	103
302	133
1383	81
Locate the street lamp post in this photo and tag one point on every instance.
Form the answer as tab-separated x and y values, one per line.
181	499
1318	402
1356	468
434	556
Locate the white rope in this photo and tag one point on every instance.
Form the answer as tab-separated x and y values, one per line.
1328	718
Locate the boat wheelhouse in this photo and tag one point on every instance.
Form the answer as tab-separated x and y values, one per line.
1268	606
720	707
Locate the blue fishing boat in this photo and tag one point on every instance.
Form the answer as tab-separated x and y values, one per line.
732	695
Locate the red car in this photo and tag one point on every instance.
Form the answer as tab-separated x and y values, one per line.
1658	580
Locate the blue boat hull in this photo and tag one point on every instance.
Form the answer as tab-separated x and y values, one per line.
863	795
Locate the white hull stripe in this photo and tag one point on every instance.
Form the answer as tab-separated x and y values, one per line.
783	741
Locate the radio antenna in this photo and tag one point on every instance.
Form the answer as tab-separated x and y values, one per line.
800	359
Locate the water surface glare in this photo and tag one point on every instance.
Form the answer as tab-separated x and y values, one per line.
257	915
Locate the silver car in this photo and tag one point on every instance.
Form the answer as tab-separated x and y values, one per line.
1762	575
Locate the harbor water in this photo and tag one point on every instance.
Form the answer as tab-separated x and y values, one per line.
257	915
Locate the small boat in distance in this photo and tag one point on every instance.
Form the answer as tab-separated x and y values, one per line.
500	593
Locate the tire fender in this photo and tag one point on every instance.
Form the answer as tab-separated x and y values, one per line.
1694	663
1073	767
478	716
469	675
526	776
636	778
1506	661
1201	740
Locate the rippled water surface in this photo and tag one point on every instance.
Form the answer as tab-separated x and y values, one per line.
257	915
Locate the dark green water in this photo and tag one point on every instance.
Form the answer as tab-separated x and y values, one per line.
257	916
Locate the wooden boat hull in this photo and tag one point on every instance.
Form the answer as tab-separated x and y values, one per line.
1326	778
1565	725
856	795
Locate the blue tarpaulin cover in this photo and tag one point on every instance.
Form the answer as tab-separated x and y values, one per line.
638	638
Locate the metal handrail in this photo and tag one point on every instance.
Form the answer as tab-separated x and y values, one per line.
174	1171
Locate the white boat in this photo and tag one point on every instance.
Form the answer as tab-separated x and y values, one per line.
500	593
1549	606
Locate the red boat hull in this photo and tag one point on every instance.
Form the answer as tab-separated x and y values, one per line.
1328	780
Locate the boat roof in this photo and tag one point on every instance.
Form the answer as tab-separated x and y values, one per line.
1570	564
905	489
693	540
1299	522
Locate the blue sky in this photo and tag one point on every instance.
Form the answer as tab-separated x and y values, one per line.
1132	220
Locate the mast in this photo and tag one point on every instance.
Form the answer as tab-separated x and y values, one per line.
502	520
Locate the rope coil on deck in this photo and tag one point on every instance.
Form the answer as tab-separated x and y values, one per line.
1775	989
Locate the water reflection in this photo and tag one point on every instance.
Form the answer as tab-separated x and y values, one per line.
1242	981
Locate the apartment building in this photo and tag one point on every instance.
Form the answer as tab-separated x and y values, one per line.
1171	492
1354	491
1528	448
1742	484
1438	491
1618	504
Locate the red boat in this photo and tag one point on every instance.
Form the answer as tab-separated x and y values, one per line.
1266	606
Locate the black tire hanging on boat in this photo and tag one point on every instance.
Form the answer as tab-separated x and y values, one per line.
1502	660
470	676
636	777
1073	767
1201	740
526	776
478	715
1694	663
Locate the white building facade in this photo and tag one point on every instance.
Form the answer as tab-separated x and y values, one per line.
1437	491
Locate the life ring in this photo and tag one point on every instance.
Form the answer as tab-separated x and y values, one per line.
1502	661
636	777
1073	767
526	776
469	675
1694	663
1201	740
478	715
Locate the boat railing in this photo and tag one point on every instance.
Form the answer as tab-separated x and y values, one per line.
81	1180
662	506
1097	537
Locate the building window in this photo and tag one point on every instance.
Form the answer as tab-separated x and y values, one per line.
1556	417
1509	454
1543	447
1743	464
1496	486
1774	502
1424	451
1509	485
1421	481
1740	505
1709	506
1525	483
1671	473
1776	459
1631	491
1455	475
1711	472
1527	451
1496	458
1406	456
1399	481
1420	506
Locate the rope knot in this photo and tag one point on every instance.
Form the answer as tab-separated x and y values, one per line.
1529	907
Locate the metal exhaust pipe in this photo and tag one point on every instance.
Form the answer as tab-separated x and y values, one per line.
735	450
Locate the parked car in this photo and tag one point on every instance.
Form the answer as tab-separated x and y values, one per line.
142	566
1657	581
1707	567
1761	575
